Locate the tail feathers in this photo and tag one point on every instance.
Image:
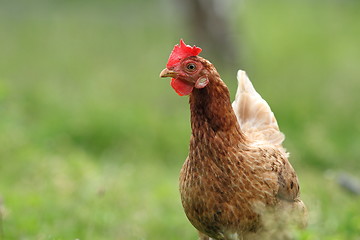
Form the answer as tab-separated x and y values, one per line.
254	115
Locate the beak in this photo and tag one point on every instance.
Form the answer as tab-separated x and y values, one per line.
167	73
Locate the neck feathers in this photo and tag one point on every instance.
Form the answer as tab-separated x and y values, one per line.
211	111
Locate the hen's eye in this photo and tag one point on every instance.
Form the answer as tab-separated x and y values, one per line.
191	66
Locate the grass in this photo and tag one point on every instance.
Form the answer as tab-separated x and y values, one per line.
92	141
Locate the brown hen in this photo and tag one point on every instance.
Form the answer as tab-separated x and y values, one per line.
237	182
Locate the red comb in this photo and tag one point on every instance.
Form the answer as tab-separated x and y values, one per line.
180	52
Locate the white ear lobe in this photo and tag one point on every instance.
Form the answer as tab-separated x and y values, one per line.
202	82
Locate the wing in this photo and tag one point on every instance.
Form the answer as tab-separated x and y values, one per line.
254	115
290	206
288	182
278	172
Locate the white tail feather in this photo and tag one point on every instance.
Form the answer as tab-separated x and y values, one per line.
254	115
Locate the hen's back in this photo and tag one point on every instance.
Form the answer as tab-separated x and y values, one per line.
259	124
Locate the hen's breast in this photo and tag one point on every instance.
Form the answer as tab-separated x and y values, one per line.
223	194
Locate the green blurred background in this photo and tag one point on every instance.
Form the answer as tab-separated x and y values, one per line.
92	141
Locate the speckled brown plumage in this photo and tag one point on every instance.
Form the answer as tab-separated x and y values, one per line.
234	184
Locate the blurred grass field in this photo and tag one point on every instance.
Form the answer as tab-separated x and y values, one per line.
92	140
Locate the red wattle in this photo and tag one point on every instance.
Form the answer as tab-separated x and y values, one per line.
181	87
